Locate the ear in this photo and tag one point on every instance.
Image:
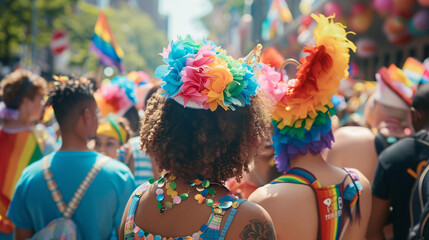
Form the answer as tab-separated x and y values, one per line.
24	101
87	117
423	116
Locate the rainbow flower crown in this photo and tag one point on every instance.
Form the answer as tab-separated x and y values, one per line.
199	74
302	107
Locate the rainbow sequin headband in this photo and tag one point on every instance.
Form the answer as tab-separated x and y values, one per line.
200	74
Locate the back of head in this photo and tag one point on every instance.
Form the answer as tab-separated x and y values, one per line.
421	99
189	141
21	84
207	122
302	108
133	118
69	99
420	108
376	112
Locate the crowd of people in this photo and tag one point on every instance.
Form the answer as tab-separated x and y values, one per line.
218	148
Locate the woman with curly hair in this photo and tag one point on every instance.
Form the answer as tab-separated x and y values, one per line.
201	130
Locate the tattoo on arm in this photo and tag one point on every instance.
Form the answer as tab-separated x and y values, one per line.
257	230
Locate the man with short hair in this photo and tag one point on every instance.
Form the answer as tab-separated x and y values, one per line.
397	170
100	210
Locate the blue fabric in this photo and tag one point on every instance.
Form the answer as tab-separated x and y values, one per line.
101	208
229	220
143	165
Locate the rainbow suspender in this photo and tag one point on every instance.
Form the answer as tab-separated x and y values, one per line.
330	200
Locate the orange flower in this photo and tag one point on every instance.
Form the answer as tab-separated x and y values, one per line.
221	76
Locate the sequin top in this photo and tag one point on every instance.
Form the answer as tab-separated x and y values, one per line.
209	231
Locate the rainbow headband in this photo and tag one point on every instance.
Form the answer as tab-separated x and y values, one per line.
302	107
199	74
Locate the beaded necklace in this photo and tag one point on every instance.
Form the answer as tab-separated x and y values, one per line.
203	189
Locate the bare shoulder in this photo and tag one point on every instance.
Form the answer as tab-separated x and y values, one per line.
291	206
358	132
354	147
272	193
251	222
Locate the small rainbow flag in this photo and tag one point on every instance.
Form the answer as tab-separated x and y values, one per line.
17	152
104	44
415	71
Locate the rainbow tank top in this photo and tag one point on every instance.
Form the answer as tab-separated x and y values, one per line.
335	202
18	150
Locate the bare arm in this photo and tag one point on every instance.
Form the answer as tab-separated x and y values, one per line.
379	213
251	222
258	229
22	234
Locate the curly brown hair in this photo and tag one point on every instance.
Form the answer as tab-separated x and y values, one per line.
194	143
12	85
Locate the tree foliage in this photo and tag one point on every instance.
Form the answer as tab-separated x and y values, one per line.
219	20
133	29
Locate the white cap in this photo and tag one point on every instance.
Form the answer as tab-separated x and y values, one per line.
392	93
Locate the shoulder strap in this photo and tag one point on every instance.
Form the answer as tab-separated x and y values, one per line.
351	197
417	197
129	223
68	210
296	175
229	220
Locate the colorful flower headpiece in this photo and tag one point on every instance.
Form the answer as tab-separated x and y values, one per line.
117	96
143	85
303	106
199	74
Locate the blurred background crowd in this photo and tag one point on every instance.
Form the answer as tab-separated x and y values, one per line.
115	44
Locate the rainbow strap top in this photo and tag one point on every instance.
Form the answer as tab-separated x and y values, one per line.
333	201
209	231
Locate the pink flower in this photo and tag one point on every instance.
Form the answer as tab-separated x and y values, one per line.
202	59
115	96
269	80
166	51
194	76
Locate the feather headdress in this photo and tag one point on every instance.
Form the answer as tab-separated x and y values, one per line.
303	106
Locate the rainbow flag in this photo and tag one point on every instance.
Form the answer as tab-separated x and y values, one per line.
17	152
104	44
415	71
